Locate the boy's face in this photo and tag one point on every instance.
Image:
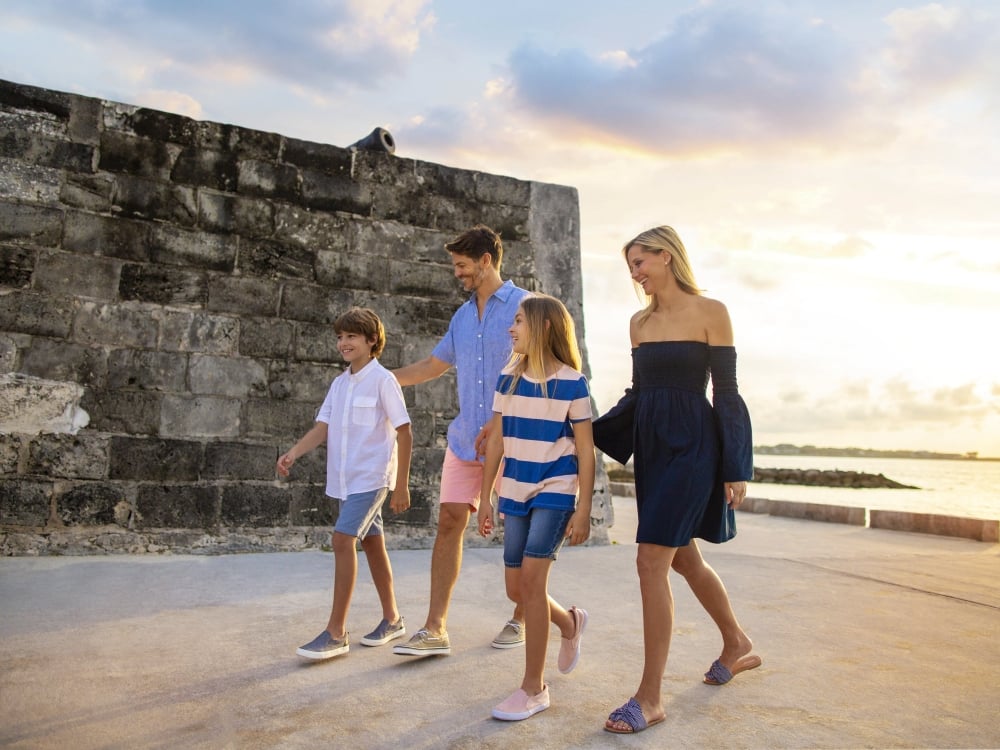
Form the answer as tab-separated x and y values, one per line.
354	348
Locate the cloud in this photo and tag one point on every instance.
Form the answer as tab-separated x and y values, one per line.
726	79
323	45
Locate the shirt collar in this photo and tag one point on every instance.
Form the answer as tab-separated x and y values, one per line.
502	293
364	372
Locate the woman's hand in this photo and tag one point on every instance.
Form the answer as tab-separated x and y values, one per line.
578	528
485	519
736	493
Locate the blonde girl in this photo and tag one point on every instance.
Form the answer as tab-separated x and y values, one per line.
541	427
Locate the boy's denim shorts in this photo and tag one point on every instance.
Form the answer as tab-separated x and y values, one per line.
361	514
538	534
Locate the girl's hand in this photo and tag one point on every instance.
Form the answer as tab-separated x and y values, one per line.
578	528
485	519
285	464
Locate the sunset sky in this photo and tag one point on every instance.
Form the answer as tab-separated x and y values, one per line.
833	167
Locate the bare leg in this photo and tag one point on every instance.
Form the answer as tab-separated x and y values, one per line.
381	570
534	591
711	593
345	574
446	562
653	564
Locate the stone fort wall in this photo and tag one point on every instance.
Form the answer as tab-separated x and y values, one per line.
166	298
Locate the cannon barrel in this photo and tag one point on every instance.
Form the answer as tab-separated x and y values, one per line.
377	140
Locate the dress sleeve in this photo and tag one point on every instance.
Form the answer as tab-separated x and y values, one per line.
613	431
732	418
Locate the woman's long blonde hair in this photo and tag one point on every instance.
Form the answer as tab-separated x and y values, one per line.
661	240
551	335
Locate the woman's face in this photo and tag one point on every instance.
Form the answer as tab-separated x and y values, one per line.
648	269
519	333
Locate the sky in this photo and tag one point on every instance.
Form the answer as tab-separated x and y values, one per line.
832	167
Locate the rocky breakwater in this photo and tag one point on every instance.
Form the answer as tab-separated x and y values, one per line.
828	478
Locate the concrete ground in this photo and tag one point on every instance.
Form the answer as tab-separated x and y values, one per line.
870	638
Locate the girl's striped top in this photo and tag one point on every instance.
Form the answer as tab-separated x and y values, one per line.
540	465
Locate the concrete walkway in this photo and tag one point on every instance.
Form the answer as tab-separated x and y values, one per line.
870	638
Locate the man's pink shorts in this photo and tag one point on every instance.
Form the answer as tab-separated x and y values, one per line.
461	480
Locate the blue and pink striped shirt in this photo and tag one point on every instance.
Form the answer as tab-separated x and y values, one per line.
540	466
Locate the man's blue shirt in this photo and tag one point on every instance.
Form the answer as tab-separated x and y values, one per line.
478	350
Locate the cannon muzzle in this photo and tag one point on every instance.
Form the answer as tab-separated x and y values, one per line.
378	140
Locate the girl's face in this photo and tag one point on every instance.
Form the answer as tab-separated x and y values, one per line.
355	349
519	333
649	270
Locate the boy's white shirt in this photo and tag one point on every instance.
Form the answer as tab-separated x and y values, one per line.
362	412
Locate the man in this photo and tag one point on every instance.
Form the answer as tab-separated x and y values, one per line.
477	344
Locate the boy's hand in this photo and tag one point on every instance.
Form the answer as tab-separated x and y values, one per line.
400	499
285	464
481	438
578	528
485	519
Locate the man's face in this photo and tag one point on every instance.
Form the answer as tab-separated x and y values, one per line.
470	272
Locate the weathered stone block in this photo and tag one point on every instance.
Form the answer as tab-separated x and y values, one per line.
332	160
311	507
511	222
161	126
129	412
163	285
86	191
198	332
185	506
10	453
50	105
254	505
244	142
247	217
391	239
243	296
28	183
69	275
36	405
26	224
85	117
44	150
429	280
316	343
328	192
24	503
315	304
267	179
154	460
382	169
352	271
304	381
266	338
56	359
316	231
181	247
226	376
148	199
200	166
449	182
199	416
114	325
92	504
239	461
82	456
147	370
491	188
278	420
104	235
277	260
17	264
121	152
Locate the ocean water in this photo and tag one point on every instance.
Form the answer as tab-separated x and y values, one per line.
952	488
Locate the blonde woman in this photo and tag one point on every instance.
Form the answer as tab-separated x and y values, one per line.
692	459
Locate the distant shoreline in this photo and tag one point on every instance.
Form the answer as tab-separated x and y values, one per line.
812	450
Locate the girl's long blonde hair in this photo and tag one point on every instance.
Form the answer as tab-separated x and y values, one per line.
661	240
551	336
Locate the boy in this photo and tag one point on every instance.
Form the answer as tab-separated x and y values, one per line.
365	425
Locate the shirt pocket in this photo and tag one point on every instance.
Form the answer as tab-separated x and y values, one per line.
363	410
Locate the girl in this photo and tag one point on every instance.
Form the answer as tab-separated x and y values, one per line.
541	424
692	459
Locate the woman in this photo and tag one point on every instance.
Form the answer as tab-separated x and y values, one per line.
692	459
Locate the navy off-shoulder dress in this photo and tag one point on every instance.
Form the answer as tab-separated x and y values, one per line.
685	448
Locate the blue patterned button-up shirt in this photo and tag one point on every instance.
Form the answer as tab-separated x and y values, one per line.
478	350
